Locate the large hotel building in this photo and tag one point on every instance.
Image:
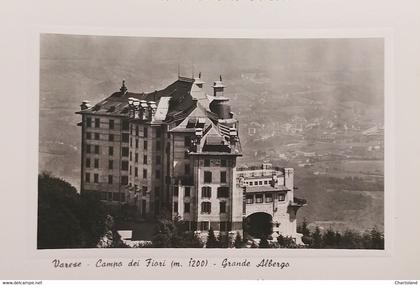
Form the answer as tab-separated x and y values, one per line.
173	149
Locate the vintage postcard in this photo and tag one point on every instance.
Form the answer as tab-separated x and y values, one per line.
210	140
211	143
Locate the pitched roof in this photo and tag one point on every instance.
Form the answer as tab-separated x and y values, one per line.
117	103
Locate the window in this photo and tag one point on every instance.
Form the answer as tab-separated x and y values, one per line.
157	174
251	183
176	191
268	197
87	177
111	124
88	148
260	182
158	158
206	192
207	162
187	169
124	165
125	137
282	197
249	199
144	190
111	151
222	192
110	179
158	133
223	176
175	207
125	125
124	180
265	182
207	177
136	157
97	123
87	162
89	122
206	207
158	145
130	169
259	198
96	163
145	145
131	156
186	207
96	136
111	137
88	135
136	172
144	159
223	207
137	130
204	226
97	149
137	143
131	142
223	226
223	163
187	192
145	132
124	151
144	173
187	141
96	178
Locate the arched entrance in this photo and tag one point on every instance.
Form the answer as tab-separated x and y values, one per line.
259	225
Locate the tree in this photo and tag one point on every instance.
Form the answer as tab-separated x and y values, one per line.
377	239
281	241
171	234
351	240
238	241
223	240
316	238
338	239
65	218
162	236
191	240
329	239
211	240
304	228
264	243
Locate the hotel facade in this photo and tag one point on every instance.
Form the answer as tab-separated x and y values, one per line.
176	149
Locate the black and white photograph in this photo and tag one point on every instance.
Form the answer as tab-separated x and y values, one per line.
242	143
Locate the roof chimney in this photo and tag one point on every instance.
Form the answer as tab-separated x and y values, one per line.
218	87
85	105
123	88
